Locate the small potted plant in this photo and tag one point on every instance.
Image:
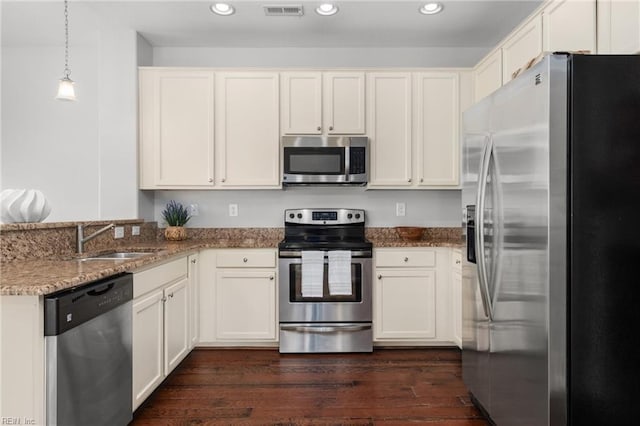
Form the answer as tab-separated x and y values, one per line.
176	216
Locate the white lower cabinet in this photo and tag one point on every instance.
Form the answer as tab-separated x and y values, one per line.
238	297
456	292
245	305
412	297
160	324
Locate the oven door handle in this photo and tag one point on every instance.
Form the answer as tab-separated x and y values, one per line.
324	328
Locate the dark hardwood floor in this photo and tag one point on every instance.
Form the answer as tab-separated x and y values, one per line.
263	387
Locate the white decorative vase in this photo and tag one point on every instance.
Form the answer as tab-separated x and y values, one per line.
23	205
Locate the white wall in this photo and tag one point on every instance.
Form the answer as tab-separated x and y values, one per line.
48	144
265	208
82	155
317	57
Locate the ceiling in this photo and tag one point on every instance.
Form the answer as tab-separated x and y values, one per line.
359	23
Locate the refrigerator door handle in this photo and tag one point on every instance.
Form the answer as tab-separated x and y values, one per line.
487	152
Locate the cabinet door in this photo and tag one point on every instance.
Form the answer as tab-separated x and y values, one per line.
487	77
521	47
343	101
389	117
436	119
404	304
176	129
302	103
456	291
176	324
248	129
147	321
246	305
194	300
618	26
569	25
207	296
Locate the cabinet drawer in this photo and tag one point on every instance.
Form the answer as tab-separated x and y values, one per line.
405	258
158	276
246	259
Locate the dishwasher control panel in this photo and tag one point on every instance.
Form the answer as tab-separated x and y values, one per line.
70	308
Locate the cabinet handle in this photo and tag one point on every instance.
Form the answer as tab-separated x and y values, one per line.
271	278
223	180
210	180
330	127
164	299
406	259
421	180
457	262
319	128
409	180
193	261
245	260
379	277
171	295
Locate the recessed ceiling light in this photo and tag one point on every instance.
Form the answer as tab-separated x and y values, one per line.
327	9
431	8
223	9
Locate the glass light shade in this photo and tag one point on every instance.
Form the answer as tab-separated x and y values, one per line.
66	91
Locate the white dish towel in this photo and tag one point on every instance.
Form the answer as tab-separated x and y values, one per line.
340	273
312	273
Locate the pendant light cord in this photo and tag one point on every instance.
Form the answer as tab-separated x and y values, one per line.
67	71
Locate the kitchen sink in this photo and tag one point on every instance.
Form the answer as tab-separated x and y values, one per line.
119	255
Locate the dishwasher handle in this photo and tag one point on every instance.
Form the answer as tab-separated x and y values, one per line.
70	308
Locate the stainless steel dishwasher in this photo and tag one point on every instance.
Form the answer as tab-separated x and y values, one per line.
88	348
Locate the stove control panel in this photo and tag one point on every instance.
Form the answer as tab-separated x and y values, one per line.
324	216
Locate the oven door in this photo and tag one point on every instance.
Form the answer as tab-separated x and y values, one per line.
295	308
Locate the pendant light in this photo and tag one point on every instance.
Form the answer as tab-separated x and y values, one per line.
66	91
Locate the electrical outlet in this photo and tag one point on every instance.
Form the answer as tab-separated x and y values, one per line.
194	210
233	210
118	232
135	230
401	209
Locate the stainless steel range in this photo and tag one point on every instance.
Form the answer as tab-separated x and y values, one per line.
325	283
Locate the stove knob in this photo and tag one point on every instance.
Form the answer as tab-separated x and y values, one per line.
357	215
291	215
349	216
299	215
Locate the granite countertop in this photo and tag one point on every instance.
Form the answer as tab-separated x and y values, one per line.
48	275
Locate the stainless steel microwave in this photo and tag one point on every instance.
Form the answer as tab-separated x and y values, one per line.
325	160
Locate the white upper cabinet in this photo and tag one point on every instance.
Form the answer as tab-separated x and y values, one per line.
523	46
389	109
436	120
247	130
302	103
569	25
176	128
344	103
618	26
315	103
487	76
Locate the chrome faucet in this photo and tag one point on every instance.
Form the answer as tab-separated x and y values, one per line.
82	239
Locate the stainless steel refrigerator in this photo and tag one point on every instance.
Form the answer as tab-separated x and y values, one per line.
551	280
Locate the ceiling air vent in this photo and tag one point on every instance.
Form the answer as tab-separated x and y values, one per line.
288	10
